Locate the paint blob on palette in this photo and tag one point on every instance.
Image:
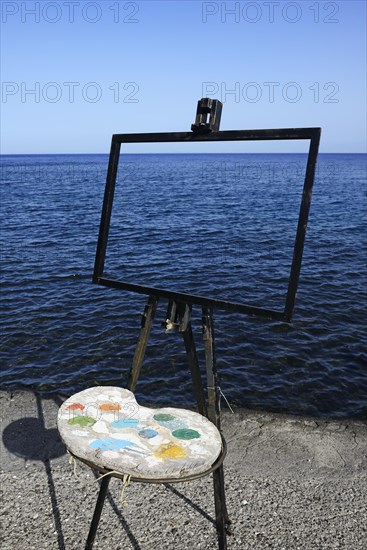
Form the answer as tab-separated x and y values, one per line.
105	426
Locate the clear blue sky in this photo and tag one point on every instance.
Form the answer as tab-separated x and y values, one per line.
98	68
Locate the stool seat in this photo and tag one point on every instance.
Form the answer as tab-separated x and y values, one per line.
106	427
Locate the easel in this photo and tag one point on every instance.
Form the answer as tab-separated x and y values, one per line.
179	319
206	128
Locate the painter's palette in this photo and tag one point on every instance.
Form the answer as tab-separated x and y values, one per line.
105	426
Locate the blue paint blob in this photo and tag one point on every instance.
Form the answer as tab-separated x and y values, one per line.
109	444
147	433
125	423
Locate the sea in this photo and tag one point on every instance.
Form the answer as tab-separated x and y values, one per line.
216	225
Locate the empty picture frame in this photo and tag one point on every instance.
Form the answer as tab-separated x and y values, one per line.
311	134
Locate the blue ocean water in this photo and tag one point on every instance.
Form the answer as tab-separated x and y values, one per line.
218	225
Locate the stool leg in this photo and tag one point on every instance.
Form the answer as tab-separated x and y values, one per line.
97	512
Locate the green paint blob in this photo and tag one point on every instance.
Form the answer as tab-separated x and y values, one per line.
161	417
82	421
186	433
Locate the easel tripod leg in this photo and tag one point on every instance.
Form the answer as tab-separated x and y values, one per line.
197	384
220	499
220	509
146	325
97	512
221	514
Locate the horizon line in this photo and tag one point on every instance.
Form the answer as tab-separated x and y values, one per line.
185	153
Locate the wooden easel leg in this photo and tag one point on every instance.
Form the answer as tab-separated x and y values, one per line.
192	357
221	514
97	512
146	325
211	369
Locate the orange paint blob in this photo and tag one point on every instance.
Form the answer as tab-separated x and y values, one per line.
75	407
170	451
109	407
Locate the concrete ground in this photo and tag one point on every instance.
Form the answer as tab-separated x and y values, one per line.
291	483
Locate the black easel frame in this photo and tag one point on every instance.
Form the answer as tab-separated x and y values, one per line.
311	134
180	304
